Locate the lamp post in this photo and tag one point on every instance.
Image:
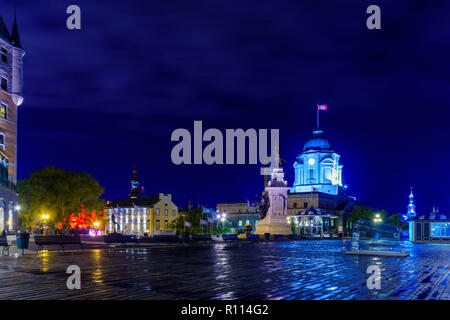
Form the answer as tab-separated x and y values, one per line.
217	224
223	218
377	218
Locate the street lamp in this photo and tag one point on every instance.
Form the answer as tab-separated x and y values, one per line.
18	207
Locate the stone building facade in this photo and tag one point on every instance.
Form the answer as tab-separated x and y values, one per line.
11	84
142	215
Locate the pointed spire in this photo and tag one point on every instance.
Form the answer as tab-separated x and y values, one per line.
15	36
411	206
4	34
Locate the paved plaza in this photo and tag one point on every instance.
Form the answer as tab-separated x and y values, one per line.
266	270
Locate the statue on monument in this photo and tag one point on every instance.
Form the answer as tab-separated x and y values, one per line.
113	219
264	206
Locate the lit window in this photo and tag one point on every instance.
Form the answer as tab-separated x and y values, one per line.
4	84
157	212
3	111
247	222
311	174
4	54
166	212
240	223
166	224
256	222
2	141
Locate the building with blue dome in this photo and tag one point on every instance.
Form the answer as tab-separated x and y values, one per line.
318	187
317	168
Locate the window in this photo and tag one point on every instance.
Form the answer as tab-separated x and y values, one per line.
4	84
311	174
256	222
166	224
157	224
247	222
166	212
157	212
240	223
295	205
305	204
174	213
439	229
2	141
4	54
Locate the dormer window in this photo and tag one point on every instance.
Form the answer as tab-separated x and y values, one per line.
4	55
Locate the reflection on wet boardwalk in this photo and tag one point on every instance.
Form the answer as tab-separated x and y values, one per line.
272	270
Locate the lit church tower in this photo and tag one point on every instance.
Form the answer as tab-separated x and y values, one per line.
11	55
134	186
411	206
317	168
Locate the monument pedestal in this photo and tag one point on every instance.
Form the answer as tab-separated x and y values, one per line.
275	221
273	227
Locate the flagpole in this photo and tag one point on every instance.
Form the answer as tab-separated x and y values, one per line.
317	117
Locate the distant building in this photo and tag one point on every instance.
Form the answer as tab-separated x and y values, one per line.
141	215
240	213
11	55
318	185
430	228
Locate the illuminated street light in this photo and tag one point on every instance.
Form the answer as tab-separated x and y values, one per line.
45	217
18	207
96	224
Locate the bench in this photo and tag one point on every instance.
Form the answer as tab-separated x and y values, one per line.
279	237
119	238
60	240
165	238
4	244
201	237
230	237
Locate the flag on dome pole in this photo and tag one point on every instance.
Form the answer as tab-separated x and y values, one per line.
320	107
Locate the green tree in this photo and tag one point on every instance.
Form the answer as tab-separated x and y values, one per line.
362	213
395	220
57	193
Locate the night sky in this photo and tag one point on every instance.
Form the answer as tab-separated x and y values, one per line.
108	97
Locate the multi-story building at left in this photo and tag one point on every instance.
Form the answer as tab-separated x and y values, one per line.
11	80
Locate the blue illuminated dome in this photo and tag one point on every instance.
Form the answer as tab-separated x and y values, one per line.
317	143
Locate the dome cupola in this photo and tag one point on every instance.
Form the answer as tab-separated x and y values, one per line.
317	143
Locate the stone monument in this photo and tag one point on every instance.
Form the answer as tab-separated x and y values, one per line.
273	211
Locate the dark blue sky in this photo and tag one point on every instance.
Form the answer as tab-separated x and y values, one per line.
109	96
